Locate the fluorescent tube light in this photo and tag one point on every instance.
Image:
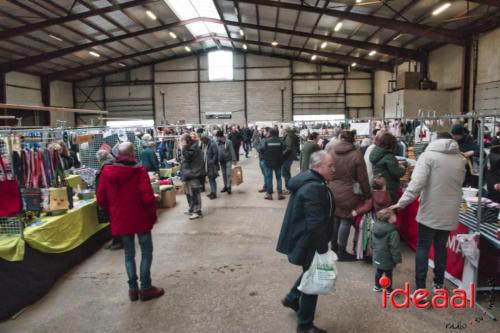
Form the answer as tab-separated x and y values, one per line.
441	9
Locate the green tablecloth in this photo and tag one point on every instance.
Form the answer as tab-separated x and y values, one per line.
57	234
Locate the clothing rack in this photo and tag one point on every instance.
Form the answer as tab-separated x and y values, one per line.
471	116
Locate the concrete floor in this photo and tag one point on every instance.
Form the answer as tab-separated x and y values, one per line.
222	274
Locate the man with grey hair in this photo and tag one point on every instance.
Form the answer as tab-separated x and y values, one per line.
125	192
306	230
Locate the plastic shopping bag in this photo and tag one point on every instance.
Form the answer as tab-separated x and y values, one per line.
320	278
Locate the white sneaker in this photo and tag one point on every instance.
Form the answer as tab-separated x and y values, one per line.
194	216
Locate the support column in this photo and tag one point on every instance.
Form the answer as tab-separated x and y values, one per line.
43	117
245	106
199	87
103	87
153	96
466	76
291	87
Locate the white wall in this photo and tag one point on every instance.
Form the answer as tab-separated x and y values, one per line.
489	57
266	78
23	89
381	88
445	66
61	94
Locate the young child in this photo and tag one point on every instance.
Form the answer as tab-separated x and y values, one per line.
381	198
385	243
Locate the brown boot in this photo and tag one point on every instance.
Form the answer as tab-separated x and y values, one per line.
150	293
133	294
262	190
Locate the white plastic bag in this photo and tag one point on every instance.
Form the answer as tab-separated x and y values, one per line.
320	278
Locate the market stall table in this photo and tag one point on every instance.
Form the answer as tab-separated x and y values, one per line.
30	266
489	245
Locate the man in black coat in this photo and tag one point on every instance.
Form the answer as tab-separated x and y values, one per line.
272	149
292	148
236	138
306	229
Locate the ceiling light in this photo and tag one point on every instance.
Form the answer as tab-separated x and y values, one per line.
174	36
441	9
313	57
56	38
338	26
274	43
398	36
245	46
242	33
95	54
151	14
372	53
323	45
358	1
187	48
122	64
353	64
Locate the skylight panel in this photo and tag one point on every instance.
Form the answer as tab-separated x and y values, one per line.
189	9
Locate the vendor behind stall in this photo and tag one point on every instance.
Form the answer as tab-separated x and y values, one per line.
469	148
493	173
69	159
148	157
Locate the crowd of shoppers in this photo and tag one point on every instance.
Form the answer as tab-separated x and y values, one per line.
337	182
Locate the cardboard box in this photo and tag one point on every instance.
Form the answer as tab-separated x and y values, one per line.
168	199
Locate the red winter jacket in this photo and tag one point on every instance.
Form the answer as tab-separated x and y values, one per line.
125	192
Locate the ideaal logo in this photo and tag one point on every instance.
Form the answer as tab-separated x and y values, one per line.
440	300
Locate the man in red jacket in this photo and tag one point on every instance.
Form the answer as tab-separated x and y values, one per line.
125	192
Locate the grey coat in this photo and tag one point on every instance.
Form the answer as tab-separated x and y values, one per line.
211	160
437	178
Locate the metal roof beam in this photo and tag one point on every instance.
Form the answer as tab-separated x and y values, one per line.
385	49
438	34
64	19
360	61
72	71
76	70
239	51
29	61
494	3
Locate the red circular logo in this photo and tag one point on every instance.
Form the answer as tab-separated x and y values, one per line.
384	282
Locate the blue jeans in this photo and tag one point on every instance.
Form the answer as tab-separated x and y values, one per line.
213	185
286	171
426	236
263	170
146	244
268	178
307	303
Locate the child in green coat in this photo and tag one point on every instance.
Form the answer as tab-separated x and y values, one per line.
386	250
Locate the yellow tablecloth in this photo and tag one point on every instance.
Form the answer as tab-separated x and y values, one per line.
75	180
11	247
57	234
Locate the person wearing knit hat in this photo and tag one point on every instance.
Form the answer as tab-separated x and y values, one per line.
148	156
469	148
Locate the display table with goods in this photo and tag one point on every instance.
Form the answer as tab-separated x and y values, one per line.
48	222
33	260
